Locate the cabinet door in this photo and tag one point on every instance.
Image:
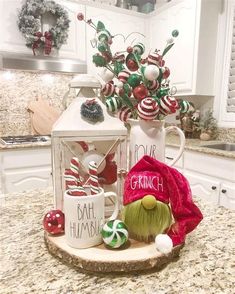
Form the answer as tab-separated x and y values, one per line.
227	195
76	45
20	180
118	24
181	58
204	187
11	38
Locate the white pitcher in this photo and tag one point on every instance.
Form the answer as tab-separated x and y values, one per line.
148	138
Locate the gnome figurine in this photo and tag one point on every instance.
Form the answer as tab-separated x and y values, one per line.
158	204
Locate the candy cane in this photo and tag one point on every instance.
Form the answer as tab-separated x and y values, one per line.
72	185
94	185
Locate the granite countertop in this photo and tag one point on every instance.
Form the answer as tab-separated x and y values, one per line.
198	146
206	263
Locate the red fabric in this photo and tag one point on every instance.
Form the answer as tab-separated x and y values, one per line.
150	176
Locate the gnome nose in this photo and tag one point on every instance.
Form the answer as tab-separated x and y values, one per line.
149	202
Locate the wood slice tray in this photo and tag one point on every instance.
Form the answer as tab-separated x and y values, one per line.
135	256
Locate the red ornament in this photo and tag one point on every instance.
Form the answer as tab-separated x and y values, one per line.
129	49
80	16
166	73
161	62
109	175
143	61
53	222
140	92
107	56
132	65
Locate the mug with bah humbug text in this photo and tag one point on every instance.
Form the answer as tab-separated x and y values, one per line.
85	217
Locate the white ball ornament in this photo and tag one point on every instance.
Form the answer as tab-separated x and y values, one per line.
106	75
93	155
163	243
119	84
151	72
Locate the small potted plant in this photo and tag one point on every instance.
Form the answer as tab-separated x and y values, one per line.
208	127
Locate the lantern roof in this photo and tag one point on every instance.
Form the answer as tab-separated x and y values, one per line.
71	123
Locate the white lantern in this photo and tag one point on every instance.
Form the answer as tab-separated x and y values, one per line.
104	142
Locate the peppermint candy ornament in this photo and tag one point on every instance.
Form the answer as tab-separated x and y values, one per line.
124	113
123	76
147	109
168	105
113	104
114	233
153	58
153	85
108	89
184	106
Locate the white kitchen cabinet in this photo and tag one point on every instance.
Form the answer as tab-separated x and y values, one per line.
204	187
27	168
121	24
211	177
192	58
13	41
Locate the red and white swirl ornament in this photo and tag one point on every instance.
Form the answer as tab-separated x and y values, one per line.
124	113
123	76
108	89
147	109
153	85
153	58
168	105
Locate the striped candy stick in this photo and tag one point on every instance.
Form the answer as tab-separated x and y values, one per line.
94	185
72	184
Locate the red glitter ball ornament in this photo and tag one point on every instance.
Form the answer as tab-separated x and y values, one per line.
53	222
80	16
140	92
132	65
129	49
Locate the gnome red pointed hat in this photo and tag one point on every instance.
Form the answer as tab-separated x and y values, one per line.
166	184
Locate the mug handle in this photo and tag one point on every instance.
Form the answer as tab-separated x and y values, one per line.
182	142
116	208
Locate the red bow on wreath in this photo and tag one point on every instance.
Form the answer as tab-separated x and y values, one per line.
47	38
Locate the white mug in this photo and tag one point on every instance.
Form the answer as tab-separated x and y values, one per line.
84	218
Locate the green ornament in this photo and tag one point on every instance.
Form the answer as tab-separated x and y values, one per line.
184	106
99	60
102	47
134	80
114	233
118	66
127	89
139	48
113	104
104	36
175	33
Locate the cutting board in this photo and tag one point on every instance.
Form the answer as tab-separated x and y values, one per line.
42	115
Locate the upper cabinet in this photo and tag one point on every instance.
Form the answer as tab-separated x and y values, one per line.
127	28
192	58
13	41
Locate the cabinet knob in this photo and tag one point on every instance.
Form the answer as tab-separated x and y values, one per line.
223	191
213	187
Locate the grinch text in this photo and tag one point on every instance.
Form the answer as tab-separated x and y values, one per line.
146	182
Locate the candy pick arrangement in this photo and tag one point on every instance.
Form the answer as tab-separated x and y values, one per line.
135	86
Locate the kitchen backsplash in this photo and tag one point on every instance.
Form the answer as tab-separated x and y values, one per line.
18	88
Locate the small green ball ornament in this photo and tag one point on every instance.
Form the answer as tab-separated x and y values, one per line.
102	47
99	60
139	48
175	33
134	80
114	233
162	92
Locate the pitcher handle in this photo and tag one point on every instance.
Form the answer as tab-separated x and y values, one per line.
116	208
182	142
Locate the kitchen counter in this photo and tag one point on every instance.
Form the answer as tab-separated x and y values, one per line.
206	263
197	145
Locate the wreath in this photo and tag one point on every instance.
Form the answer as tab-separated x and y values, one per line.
29	23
